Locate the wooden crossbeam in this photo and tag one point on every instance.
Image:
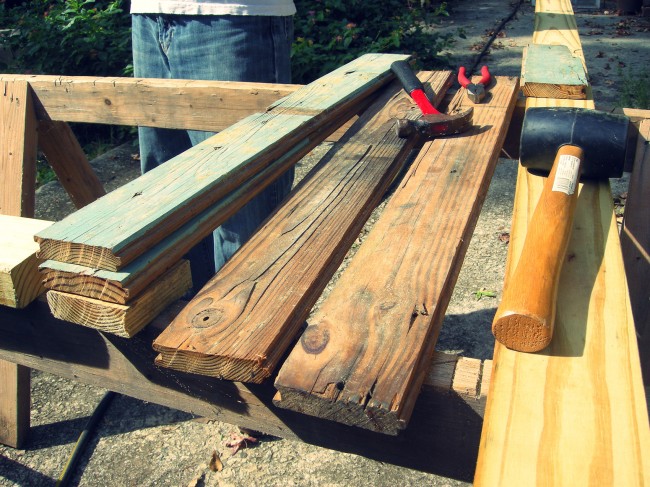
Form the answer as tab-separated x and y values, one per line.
162	200
240	324
574	413
188	104
361	359
34	338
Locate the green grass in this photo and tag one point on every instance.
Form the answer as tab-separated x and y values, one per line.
635	89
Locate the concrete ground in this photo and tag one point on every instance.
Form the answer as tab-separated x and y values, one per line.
142	444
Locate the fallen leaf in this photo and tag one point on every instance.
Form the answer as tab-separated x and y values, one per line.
239	441
216	465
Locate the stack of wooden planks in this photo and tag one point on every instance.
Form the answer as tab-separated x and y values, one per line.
114	264
350	363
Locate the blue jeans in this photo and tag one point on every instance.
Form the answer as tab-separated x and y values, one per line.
225	48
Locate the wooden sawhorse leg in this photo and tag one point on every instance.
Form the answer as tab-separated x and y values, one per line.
17	197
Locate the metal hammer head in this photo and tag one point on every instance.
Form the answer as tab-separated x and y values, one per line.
436	125
602	136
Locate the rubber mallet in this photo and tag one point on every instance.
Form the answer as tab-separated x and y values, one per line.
568	145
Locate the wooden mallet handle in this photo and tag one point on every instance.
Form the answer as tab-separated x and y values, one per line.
525	318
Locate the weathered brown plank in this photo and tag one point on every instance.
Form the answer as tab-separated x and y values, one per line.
162	200
574	413
635	245
18	154
240	324
123	320
20	281
362	358
64	154
446	441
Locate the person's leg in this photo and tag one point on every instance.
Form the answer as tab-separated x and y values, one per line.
235	48
151	37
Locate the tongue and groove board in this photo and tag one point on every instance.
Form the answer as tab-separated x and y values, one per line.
120	226
574	413
241	323
361	360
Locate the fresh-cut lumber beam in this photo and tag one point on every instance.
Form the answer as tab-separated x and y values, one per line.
122	225
176	104
20	281
552	71
574	413
635	244
241	323
64	154
34	338
128	319
362	358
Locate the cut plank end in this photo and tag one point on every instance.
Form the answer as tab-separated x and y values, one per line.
354	411
80	254
522	333
219	367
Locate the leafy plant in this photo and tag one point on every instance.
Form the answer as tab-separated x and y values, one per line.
329	33
72	37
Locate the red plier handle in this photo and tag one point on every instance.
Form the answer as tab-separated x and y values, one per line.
462	77
475	91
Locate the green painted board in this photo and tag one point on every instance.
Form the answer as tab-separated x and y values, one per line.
552	71
123	285
122	225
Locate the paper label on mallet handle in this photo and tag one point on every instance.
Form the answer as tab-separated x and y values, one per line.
566	177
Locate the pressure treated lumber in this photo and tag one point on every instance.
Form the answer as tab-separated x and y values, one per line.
70	164
128	319
551	71
32	337
20	281
118	228
362	357
240	324
635	244
575	413
18	153
189	104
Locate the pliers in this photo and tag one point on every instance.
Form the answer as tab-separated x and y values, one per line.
475	91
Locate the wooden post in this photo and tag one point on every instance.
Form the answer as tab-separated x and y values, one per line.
17	197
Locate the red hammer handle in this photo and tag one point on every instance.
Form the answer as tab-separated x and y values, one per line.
413	86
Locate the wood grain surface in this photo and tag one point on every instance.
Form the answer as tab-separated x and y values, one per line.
20	281
362	358
128	319
574	413
241	323
125	223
